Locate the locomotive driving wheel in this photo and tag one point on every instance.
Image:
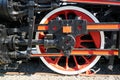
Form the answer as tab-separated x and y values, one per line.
74	64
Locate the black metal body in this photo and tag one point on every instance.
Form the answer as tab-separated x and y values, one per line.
18	26
11	10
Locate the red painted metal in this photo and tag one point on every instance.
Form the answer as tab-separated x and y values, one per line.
95	26
81	40
106	2
81	52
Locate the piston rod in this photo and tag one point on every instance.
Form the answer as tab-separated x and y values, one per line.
98	52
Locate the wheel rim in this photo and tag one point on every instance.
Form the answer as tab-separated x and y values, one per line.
74	64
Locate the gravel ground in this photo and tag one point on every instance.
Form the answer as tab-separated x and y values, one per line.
47	77
37	71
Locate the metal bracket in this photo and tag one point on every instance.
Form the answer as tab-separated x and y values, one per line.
31	21
111	59
77	26
119	44
111	62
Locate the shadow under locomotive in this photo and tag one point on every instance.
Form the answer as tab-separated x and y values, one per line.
35	65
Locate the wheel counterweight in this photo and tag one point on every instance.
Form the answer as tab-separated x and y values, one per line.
74	64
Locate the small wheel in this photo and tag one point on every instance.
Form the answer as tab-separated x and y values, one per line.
74	64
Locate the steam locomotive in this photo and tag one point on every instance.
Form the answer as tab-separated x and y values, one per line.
69	36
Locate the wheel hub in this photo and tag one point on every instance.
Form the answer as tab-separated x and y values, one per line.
61	34
66	44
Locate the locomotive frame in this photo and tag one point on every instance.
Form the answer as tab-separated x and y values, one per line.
20	24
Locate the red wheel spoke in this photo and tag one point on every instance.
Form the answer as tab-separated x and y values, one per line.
86	60
53	17
66	66
57	60
76	63
42	48
96	37
49	59
77	45
81	46
86	41
66	15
